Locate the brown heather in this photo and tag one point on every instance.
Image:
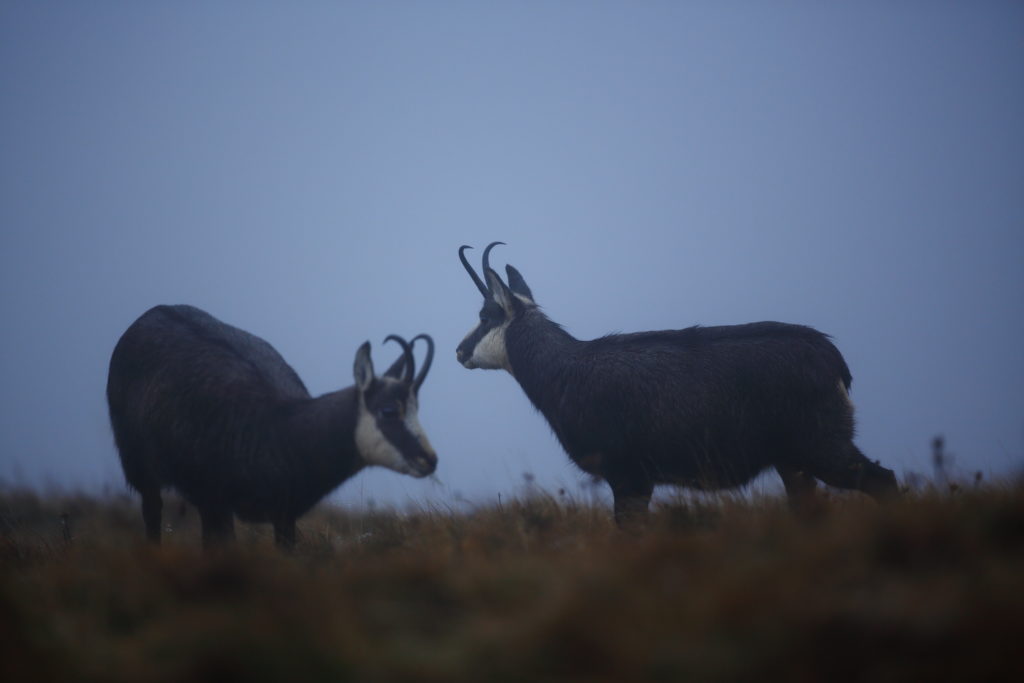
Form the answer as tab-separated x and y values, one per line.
540	588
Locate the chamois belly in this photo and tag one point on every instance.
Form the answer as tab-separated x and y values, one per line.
205	475
702	463
705	469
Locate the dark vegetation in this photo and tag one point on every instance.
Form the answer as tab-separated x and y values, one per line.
543	587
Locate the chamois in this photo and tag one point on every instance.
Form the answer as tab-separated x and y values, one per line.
217	414
701	407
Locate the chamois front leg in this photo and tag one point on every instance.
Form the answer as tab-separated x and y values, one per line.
152	506
284	534
800	489
218	526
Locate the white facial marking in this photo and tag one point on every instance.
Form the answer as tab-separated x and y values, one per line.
374	447
490	353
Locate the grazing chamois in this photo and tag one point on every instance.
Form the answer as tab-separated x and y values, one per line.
217	414
701	407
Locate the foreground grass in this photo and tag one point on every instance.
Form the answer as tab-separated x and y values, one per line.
929	588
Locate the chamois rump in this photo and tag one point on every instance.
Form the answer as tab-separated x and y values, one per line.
701	407
217	414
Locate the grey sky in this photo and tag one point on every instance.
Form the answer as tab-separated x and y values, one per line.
306	171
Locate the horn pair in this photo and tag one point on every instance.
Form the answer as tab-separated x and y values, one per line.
409	364
484	289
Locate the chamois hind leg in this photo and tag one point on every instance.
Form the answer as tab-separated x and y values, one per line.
850	469
218	526
632	498
152	507
800	488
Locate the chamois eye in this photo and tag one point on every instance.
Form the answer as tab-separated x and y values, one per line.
389	411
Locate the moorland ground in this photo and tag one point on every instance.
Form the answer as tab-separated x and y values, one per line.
542	587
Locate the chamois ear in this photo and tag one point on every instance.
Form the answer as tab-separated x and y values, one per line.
517	284
363	367
500	292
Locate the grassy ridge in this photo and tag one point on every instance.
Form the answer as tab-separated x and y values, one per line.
929	588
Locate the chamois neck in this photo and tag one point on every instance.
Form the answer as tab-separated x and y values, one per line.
540	352
321	432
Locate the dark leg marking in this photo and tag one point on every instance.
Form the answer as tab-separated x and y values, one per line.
852	470
800	489
152	507
632	498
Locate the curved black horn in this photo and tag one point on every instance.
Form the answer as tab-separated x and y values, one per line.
487	255
469	269
426	361
406	361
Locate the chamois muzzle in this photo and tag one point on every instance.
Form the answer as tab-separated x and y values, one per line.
424	465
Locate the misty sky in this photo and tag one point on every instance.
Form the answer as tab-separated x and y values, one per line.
307	171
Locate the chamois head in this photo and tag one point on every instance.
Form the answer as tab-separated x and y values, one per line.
388	431
484	346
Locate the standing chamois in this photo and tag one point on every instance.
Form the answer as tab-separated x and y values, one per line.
702	407
217	414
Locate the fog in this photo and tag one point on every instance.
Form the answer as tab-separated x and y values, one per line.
308	171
